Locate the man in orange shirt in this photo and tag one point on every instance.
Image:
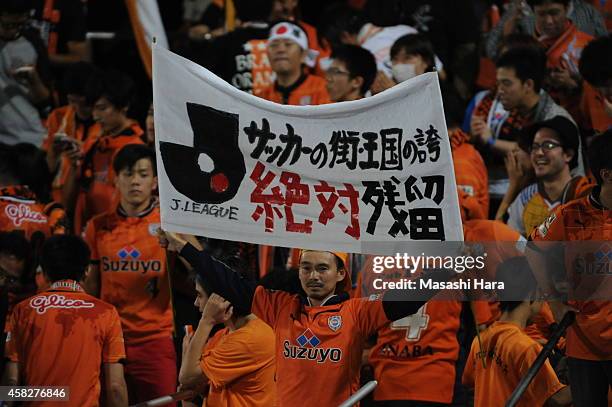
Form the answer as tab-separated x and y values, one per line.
132	275
589	338
65	337
89	188
507	352
596	68
69	126
319	337
561	39
287	49
553	148
238	361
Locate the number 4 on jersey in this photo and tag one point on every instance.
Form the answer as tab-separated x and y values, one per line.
413	324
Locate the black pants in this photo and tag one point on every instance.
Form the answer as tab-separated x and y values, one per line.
590	381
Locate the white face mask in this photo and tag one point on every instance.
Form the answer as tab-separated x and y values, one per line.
403	72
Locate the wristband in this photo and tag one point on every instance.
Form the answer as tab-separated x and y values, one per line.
490	142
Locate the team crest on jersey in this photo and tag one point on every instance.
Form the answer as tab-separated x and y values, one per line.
544	227
18	214
153	227
334	322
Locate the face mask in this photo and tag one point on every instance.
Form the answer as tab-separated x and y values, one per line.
403	72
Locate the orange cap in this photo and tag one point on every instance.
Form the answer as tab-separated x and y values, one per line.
345	284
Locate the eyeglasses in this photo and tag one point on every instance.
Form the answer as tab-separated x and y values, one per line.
336	72
545	146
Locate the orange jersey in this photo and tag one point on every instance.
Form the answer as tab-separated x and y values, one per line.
508	355
64	120
565	51
470	170
240	366
19	210
98	175
133	273
590	337
318	349
423	347
308	90
61	338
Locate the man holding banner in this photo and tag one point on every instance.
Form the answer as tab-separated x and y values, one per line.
365	176
323	330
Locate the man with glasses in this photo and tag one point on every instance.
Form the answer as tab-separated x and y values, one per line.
24	76
351	73
553	147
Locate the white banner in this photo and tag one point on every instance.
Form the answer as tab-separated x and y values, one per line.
333	177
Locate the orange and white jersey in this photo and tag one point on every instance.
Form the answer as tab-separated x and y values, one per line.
61	337
133	272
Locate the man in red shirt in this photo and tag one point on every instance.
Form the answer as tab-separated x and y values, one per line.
65	337
132	275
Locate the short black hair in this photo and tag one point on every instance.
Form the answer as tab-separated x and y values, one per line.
64	257
415	44
359	62
599	157
14	243
209	289
339	18
519	283
527	62
253	10
77	77
596	61
534	3
131	154
15	6
113	85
